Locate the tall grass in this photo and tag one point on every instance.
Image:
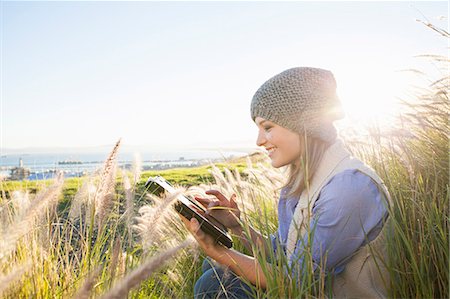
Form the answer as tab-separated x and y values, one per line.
414	163
85	250
111	238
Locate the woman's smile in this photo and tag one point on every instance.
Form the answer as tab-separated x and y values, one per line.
281	144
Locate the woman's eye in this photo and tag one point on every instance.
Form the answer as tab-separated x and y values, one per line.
267	128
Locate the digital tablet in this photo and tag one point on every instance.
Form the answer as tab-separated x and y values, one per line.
190	208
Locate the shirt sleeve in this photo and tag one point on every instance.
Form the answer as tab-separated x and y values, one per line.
347	213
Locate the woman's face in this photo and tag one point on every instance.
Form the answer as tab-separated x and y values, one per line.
282	144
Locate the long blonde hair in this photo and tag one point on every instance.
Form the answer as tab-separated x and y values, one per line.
301	172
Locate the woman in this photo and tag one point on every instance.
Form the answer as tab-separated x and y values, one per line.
328	191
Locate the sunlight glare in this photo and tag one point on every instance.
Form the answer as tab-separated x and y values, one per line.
371	96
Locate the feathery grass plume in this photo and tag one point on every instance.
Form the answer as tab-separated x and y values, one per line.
199	190
88	207
20	203
219	178
117	248
105	192
265	182
14	275
152	224
129	210
137	168
249	162
230	177
82	199
237	176
441	31
144	271
84	292
126	259
44	199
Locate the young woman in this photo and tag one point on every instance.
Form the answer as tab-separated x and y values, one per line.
327	191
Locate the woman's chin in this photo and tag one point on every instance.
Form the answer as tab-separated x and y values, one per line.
275	164
278	164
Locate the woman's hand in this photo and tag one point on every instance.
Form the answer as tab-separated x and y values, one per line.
205	241
241	264
223	209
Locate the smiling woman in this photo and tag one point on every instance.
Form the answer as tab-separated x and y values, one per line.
332	208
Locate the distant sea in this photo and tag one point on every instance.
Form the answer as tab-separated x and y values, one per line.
45	165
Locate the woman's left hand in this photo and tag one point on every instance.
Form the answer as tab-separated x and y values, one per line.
206	242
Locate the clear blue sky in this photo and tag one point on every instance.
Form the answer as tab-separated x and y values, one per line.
178	74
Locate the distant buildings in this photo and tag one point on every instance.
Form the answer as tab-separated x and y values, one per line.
19	173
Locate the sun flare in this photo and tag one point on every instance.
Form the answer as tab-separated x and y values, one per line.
373	96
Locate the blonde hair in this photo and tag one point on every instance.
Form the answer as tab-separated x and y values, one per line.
301	172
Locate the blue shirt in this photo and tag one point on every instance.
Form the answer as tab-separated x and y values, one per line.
348	213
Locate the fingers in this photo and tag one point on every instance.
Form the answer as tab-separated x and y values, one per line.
222	202
222	199
204	201
207	203
233	201
185	221
211	206
193	226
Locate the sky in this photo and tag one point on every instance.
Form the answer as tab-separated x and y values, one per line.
182	74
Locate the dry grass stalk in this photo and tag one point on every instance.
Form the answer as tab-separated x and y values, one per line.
14	275
86	289
137	168
129	197
143	272
219	178
81	198
267	179
20	202
105	192
115	258
230	177
44	199
153	220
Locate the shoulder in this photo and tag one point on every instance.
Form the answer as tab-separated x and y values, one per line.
349	188
351	181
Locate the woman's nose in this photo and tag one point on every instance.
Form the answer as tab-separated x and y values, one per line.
261	138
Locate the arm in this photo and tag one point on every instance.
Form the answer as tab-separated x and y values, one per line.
256	238
243	265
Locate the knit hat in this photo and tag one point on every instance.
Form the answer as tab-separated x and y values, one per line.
301	99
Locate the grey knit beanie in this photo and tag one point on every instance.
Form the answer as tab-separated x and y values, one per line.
301	99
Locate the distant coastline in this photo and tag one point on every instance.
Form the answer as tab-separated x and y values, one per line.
45	165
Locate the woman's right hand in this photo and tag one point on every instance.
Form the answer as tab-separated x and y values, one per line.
224	210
